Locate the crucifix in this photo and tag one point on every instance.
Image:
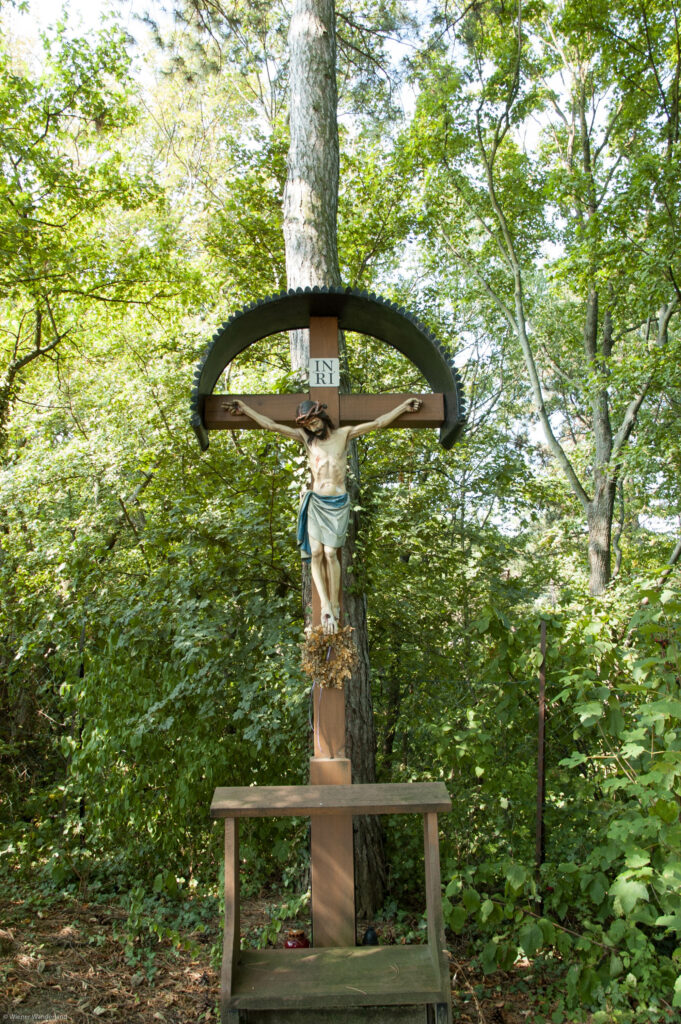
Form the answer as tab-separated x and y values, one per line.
325	508
316	418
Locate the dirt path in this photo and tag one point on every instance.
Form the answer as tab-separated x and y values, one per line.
70	965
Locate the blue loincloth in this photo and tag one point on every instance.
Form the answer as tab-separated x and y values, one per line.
323	518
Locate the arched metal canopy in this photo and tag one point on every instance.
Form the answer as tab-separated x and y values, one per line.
356	311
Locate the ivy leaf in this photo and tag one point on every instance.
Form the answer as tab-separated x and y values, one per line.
489	957
672	921
456	918
616	966
636	858
627	892
676	1001
531	938
590	712
486	910
667	810
471	900
632	750
516	876
597	889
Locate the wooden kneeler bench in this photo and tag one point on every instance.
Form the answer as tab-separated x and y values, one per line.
346	985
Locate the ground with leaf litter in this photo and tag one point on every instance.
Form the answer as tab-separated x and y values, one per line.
71	963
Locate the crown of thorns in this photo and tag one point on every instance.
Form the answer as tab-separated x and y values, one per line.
308	411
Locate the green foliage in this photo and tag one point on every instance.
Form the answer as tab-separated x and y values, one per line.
607	897
545	200
150	613
279	915
155	918
83	224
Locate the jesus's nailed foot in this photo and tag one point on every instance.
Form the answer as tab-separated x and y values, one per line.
329	622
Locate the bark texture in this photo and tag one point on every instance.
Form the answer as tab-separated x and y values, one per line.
6	396
311	192
599	519
310	237
601	508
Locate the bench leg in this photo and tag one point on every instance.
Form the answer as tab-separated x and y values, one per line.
232	939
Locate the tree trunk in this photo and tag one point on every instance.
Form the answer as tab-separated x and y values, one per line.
6	396
311	192
393	705
601	508
310	212
600	516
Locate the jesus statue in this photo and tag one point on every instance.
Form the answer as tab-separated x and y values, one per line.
325	509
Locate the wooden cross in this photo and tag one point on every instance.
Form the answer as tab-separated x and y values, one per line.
332	862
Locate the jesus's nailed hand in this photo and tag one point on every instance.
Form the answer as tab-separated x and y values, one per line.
233	408
414	404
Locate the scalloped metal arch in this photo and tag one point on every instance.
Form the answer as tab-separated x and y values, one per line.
362	312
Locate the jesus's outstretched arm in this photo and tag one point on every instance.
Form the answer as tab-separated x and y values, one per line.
237	407
409	405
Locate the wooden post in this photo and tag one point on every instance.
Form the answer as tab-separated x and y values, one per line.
441	1012
324	345
431	845
331	838
329	705
232	937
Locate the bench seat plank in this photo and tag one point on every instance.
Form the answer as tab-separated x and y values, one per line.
363	976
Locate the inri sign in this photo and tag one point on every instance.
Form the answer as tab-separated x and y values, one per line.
324	373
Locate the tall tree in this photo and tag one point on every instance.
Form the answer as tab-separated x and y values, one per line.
569	241
63	179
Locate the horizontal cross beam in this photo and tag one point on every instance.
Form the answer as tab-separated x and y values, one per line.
354	409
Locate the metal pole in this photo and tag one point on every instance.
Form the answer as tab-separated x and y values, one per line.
541	770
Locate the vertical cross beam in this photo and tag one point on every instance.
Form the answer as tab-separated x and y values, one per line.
324	345
331	844
329	705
